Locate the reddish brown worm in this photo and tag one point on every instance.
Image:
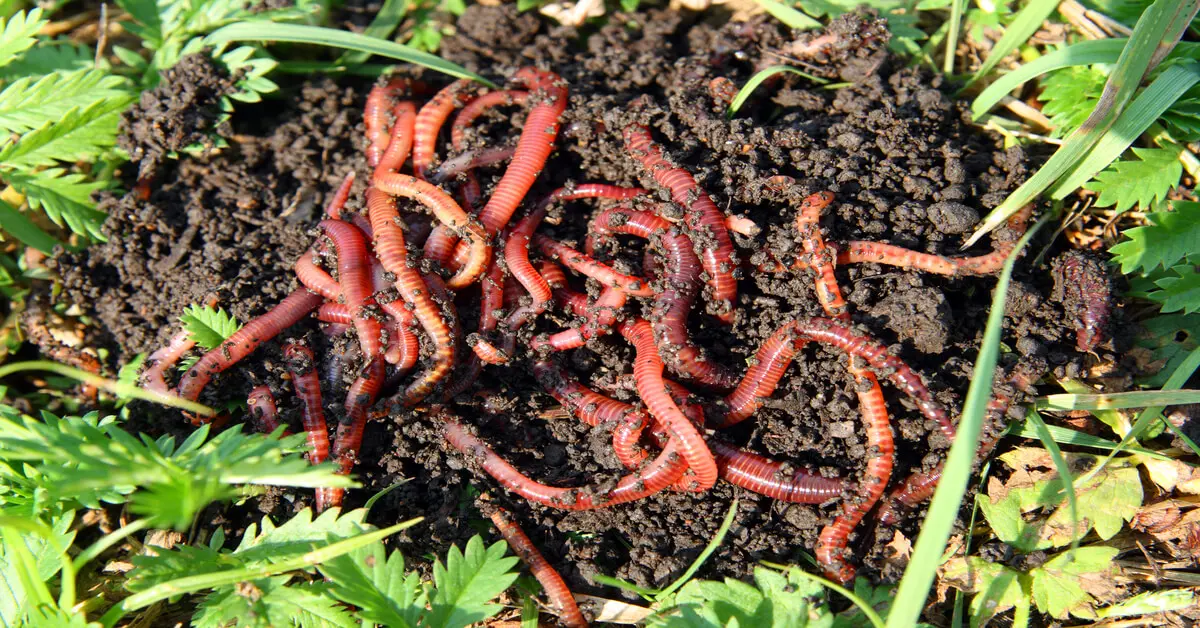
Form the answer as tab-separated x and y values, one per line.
359	398
261	404
340	196
393	255
430	119
819	258
288	312
560	596
154	377
400	145
674	302
584	265
702	216
307	384
354	275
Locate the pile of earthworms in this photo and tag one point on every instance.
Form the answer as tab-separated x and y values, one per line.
364	276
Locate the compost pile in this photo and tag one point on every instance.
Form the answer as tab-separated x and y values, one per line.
658	253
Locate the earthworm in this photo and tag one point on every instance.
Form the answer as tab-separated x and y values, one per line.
261	404
401	143
584	265
648	374
490	302
166	357
722	90
393	254
599	318
489	353
470	160
831	551
429	122
335	313
742	225
533	147
303	368
919	486
770	362
777	480
404	349
354	276
348	439
819	258
288	312
674	303
703	219
1081	282
516	255
448	213
340	196
584	403
375	121
654	477
315	278
469	113
560	596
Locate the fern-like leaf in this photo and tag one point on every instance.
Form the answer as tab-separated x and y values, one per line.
46	562
52	56
376	583
1142	182
208	326
66	198
1183	120
82	133
1179	291
1070	95
28	103
18	34
272	603
467	582
1170	238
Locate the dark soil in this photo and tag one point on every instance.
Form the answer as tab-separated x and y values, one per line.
897	150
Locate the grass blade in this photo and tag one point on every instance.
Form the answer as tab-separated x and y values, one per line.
943	510
385	23
1064	471
708	550
955	23
789	16
1065	436
1026	23
117	388
1158	30
1134	121
19	226
744	93
1118	401
320	36
1082	53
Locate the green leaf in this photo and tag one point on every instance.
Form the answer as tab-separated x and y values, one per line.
28	103
744	93
997	588
1070	95
467	582
1168	239
46	562
22	228
146	21
82	133
1079	54
1143	182
18	33
66	198
270	602
1183	120
376	583
1026	23
298	33
1056	584
1179	292
208	326
1152	602
790	17
385	23
51	56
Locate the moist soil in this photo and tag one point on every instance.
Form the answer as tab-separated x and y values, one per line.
226	225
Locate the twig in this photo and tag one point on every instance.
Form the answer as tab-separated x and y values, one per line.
102	36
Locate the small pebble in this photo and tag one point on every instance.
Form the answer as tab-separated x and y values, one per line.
952	217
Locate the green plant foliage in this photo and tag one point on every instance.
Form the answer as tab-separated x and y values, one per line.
1168	239
1183	120
83	133
88	460
901	20
1144	181
271	602
1178	291
65	197
30	102
208	326
466	582
18	34
46	563
1070	95
776	599
52	56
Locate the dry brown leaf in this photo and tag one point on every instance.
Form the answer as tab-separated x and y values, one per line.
613	611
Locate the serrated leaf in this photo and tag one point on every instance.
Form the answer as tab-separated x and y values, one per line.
66	198
1183	120
467	582
271	602
997	588
31	102
1070	95
1058	584
1169	238
375	582
1170	338
208	326
299	533
83	132
52	56
1143	182
17	33
46	560
1178	292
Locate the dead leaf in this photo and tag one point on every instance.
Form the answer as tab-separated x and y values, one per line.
613	611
